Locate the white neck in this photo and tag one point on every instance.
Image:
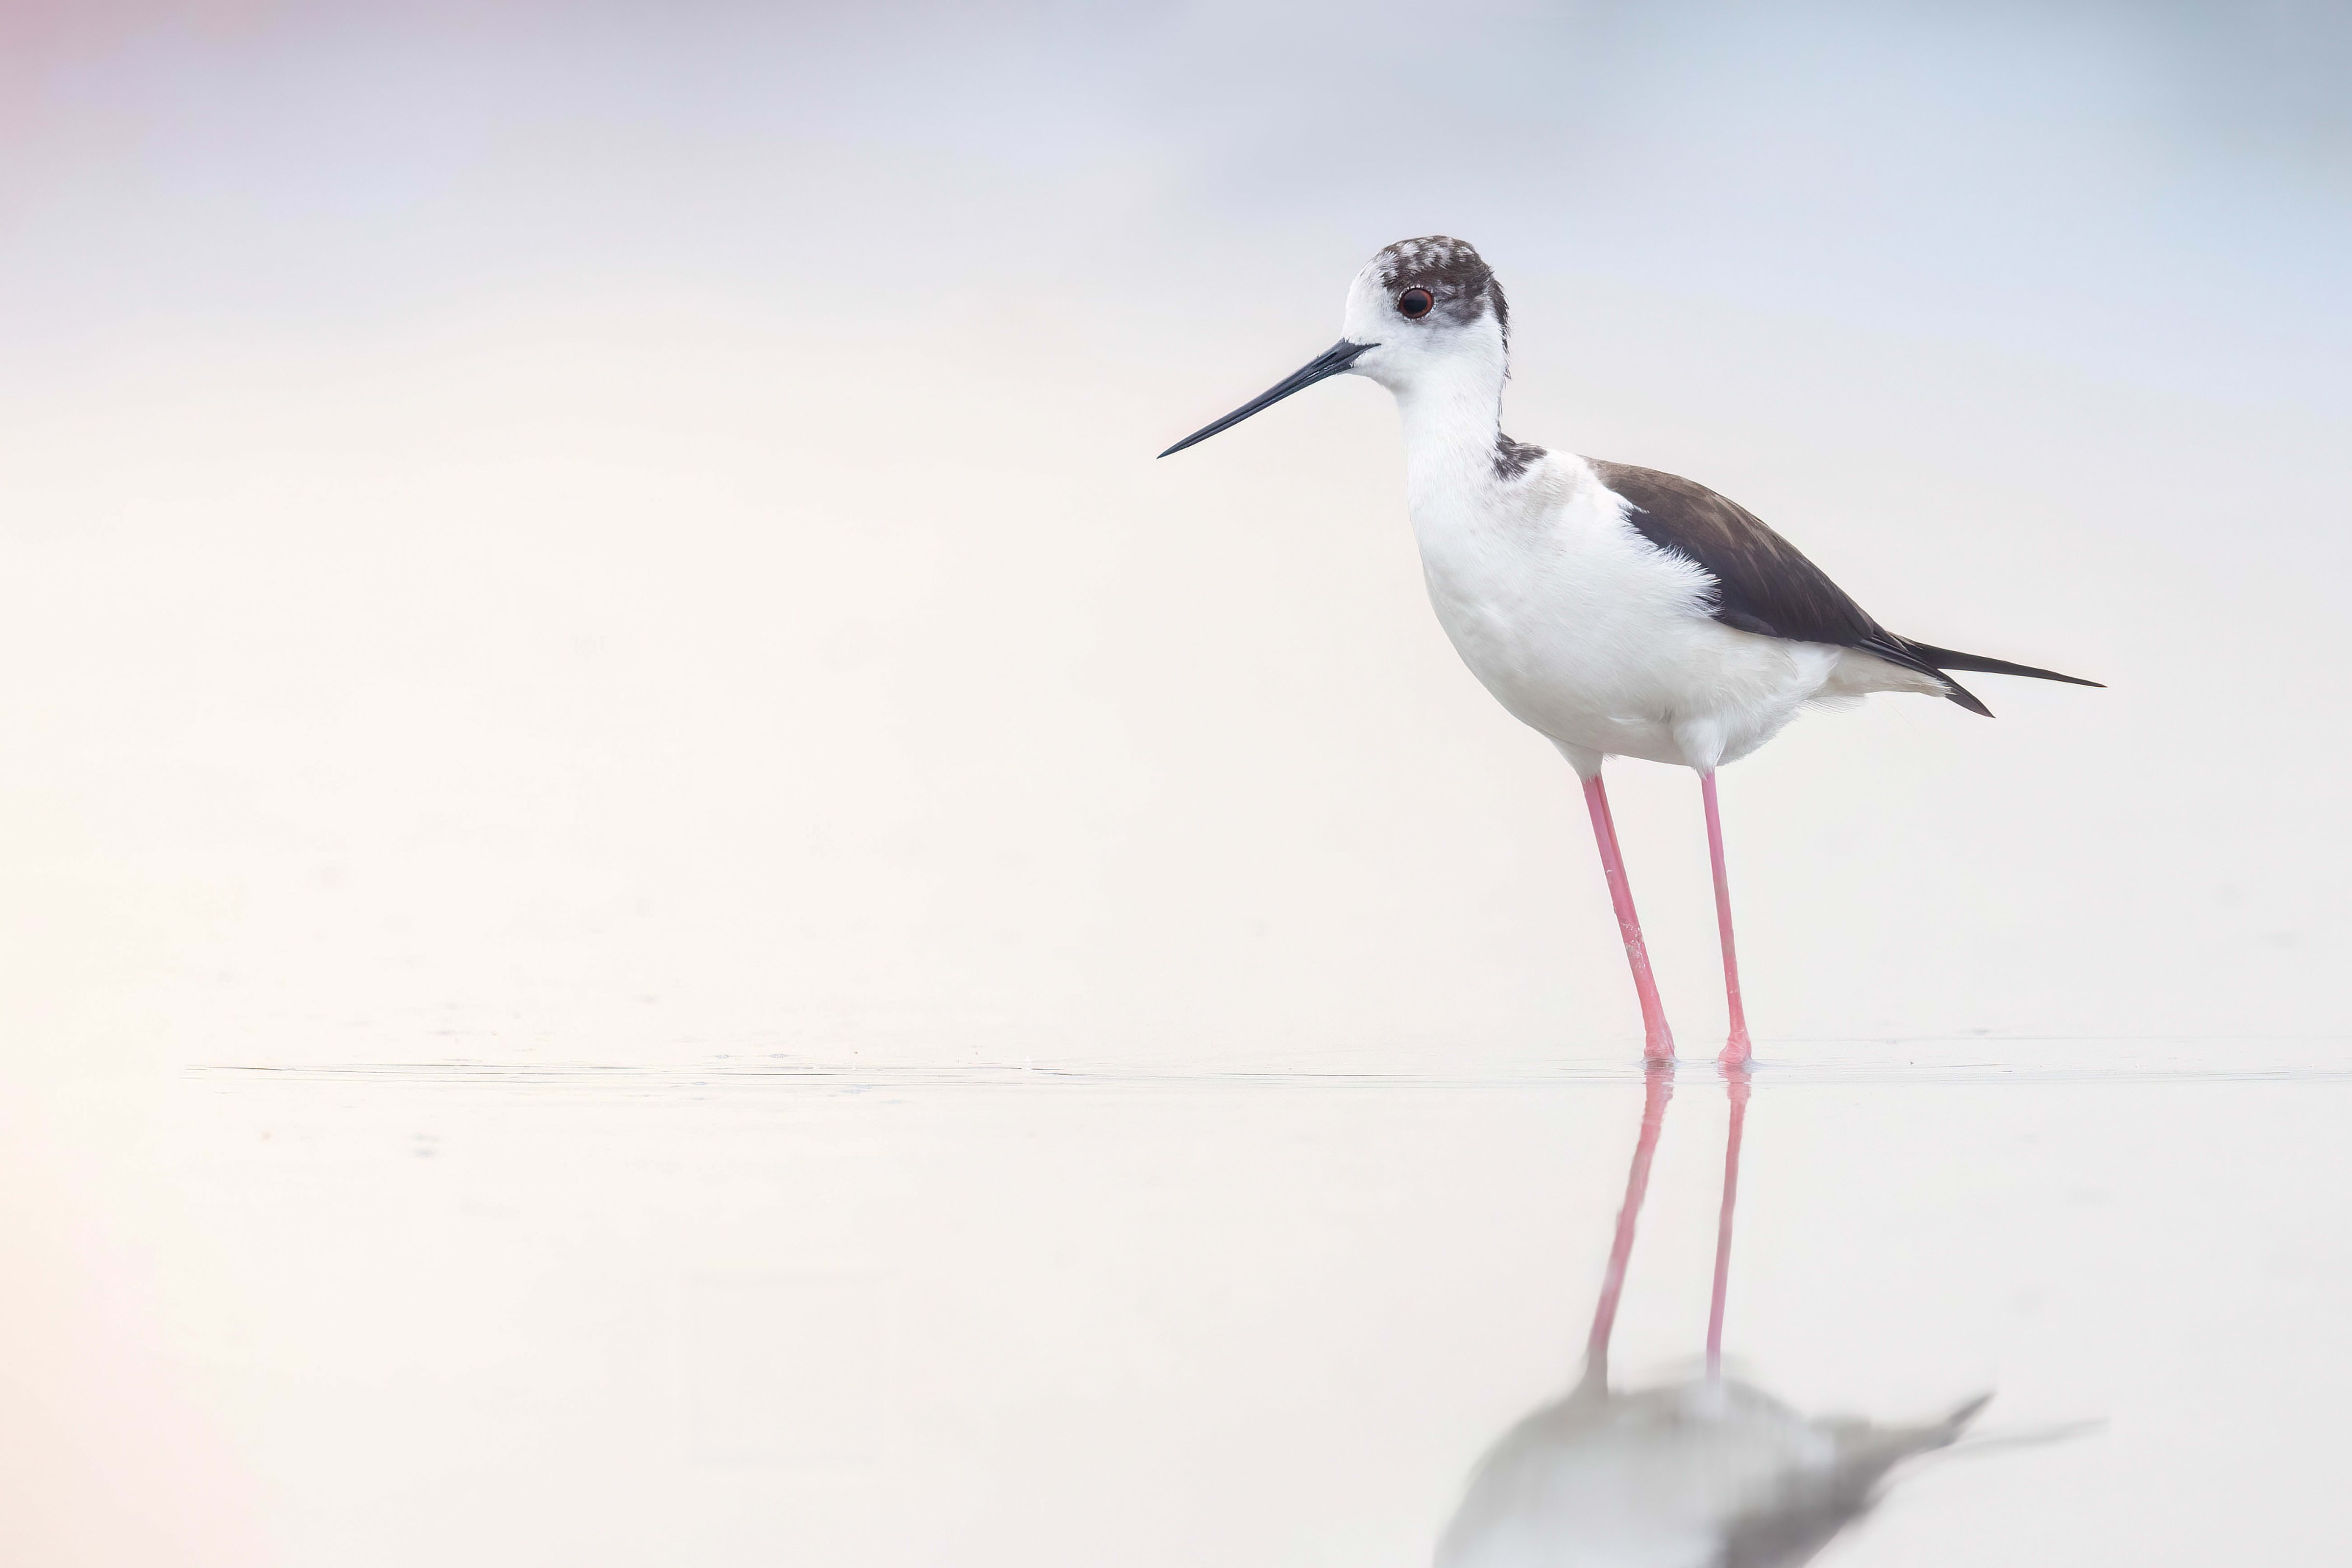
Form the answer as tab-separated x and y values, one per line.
1452	413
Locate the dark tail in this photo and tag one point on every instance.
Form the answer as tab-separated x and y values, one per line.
1942	659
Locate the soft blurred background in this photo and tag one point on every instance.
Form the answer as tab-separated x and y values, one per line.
626	534
514	511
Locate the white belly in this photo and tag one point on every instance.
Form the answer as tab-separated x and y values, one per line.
1604	644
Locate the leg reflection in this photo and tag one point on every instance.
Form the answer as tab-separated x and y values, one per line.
1658	1087
1700	1470
1735	1086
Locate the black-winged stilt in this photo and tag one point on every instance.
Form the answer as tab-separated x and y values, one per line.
1618	611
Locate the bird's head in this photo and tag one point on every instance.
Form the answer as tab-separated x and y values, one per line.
1421	309
1426	305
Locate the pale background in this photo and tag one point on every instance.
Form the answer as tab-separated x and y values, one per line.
627	535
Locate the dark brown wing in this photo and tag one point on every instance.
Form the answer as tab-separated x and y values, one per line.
1762	583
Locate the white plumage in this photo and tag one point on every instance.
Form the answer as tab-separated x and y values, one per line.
1593	636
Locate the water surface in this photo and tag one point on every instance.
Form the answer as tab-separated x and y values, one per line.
759	1311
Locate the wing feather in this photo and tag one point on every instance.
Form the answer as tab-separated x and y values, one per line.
1763	583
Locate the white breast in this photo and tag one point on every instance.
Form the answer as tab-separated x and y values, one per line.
1593	636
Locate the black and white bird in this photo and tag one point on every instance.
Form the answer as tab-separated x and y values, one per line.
1618	611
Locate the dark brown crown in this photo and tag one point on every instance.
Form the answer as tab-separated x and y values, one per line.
1453	271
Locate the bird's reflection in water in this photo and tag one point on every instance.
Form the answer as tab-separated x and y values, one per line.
1708	1473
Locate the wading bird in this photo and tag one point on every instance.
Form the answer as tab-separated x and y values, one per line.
1617	610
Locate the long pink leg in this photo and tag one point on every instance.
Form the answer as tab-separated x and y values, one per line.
1735	1086
1658	1040
1737	1049
1658	1088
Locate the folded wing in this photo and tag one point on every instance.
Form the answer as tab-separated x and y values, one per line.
1765	585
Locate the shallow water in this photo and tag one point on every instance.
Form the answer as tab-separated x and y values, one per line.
756	1311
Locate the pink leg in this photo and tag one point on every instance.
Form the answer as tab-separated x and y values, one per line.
1658	1040
1735	1086
1658	1087
1736	1051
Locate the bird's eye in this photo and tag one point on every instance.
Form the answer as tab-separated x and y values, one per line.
1414	303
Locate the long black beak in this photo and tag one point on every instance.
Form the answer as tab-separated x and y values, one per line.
1334	359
